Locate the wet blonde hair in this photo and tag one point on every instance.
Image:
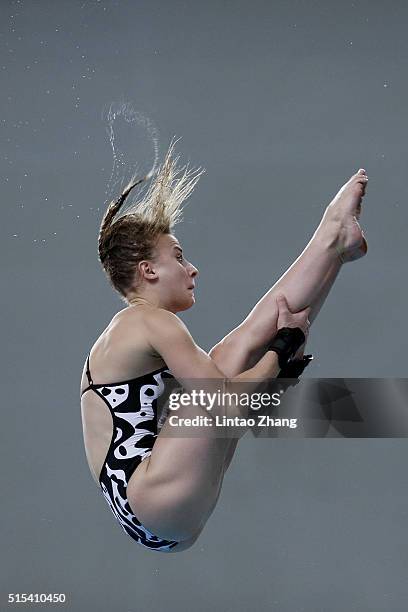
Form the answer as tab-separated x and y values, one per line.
131	237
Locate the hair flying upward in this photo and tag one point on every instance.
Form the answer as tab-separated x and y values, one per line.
131	237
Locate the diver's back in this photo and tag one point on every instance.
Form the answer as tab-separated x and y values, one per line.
121	353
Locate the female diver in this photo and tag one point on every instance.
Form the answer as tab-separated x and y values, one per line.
162	487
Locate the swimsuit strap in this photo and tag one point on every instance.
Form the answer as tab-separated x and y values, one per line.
88	373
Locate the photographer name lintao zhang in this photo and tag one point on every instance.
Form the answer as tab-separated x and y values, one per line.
252	401
261	420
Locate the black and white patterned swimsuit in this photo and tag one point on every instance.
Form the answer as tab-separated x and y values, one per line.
133	406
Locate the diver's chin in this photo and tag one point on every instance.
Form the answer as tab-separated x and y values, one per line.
186	305
192	300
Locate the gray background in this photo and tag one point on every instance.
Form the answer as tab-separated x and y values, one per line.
281	102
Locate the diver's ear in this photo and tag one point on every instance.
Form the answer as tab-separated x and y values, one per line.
147	270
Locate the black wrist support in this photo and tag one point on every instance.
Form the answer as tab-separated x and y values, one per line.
286	343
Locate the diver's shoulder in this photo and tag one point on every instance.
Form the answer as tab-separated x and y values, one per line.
160	318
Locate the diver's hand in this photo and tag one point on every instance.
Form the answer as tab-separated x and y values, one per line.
286	318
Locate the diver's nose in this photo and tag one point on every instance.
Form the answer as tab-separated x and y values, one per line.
194	271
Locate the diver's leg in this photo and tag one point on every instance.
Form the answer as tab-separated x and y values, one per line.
175	490
306	283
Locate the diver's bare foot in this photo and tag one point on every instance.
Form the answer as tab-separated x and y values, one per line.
340	219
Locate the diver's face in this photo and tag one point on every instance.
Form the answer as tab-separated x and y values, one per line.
176	275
